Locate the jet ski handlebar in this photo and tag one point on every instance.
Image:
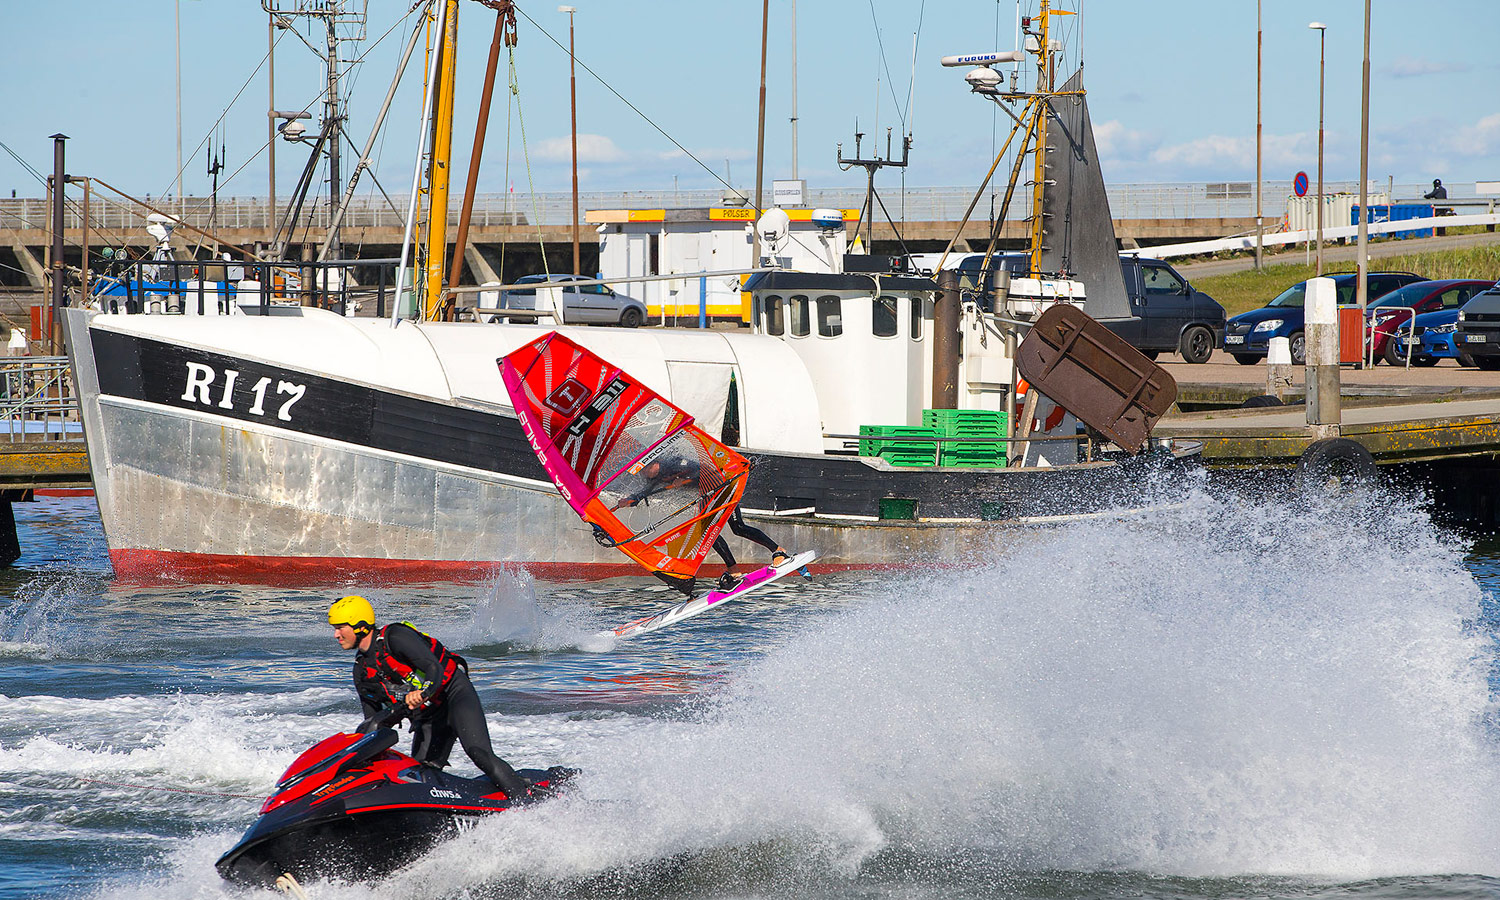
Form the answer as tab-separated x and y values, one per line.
386	718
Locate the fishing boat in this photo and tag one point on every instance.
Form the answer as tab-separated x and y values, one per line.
252	439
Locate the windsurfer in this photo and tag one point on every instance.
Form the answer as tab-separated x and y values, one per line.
682	471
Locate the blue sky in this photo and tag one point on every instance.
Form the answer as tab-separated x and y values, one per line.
1171	89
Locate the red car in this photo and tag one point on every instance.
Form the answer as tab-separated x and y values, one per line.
1390	314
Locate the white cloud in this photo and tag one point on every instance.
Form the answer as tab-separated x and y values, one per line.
1412	67
1480	139
594	148
1114	140
1131	154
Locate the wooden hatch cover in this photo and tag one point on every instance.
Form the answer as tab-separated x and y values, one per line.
1094	374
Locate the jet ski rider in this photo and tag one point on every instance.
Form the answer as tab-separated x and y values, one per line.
398	664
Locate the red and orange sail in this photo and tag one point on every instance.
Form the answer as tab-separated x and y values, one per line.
631	464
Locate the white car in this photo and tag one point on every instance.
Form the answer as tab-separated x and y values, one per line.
587	304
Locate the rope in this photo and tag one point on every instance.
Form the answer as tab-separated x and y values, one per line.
152	787
536	219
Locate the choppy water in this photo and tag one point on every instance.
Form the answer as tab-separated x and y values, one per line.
1229	698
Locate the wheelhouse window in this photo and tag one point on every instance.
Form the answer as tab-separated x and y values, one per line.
830	316
883	317
916	318
801	324
775	316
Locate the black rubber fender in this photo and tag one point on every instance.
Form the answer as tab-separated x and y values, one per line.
1260	401
1335	462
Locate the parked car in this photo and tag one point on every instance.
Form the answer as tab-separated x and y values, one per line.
1478	332
1431	339
585	304
1249	334
1170	315
1388	316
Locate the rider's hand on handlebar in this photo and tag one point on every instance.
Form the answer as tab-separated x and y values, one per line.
414	700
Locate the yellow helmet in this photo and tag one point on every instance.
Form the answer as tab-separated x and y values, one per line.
354	611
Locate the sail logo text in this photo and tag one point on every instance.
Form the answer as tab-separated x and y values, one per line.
602	401
201	382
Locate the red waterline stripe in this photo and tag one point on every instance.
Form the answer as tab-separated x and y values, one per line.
63	492
165	567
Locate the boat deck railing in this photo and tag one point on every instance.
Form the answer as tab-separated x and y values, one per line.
37	400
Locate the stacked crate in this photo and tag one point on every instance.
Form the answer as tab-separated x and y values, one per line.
905	451
984	428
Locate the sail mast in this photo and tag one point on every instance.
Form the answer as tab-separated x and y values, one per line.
440	165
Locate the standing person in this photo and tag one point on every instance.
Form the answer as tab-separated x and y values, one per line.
398	664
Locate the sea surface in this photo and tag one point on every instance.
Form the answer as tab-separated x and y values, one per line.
1231	696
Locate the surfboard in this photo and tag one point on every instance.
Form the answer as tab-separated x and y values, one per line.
753	581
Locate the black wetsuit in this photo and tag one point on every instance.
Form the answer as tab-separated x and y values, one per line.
739	526
682	470
399	661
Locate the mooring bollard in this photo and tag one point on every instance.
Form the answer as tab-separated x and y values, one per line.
1322	350
1279	367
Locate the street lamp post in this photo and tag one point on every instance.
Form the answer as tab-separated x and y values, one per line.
1362	293
573	98
1322	35
1259	221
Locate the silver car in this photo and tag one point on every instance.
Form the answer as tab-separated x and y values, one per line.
586	304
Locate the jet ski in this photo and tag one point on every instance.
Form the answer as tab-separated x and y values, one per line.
353	807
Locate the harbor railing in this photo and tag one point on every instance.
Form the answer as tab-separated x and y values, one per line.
38	401
1187	200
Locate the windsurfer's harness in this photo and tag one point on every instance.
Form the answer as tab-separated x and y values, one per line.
397	678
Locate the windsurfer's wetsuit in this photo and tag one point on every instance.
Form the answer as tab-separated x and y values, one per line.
681	470
399	661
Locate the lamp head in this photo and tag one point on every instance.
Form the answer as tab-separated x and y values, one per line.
1317	25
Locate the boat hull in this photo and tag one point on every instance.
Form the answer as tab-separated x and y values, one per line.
211	482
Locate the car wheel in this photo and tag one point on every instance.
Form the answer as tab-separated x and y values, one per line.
631	318
1298	342
1246	359
1488	363
1196	344
1150	354
1465	360
1394	356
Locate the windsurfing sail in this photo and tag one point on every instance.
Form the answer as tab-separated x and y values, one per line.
632	465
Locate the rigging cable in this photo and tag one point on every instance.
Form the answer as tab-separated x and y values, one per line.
607	86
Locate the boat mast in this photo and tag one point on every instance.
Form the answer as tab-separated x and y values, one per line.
1039	178
439	166
334	125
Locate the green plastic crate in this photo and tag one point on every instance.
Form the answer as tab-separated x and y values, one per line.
978	456
973	423
910	452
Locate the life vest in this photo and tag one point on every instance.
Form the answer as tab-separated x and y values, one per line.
397	678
